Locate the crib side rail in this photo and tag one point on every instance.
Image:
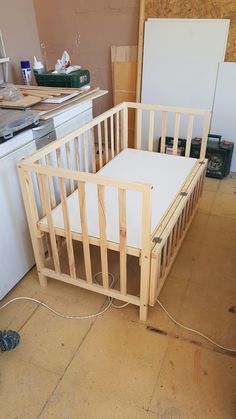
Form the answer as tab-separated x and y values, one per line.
93	144
43	178
154	123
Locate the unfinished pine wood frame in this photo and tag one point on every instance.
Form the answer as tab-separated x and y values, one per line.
48	179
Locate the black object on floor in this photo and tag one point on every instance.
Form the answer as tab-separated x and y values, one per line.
9	339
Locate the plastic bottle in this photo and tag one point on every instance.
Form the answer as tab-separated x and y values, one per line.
26	72
38	68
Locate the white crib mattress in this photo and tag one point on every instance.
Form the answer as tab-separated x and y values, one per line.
166	173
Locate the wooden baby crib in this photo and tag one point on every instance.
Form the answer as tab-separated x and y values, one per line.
140	201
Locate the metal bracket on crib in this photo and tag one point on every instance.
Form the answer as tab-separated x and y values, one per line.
183	193
157	240
202	162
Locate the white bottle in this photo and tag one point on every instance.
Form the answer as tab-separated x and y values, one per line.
26	72
38	68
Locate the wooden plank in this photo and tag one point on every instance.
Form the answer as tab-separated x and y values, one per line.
51	185
163	132
69	242
171	109
189	135
91	287
84	177
92	240
77	154
123	256
84	229
69	164
117	123
93	151
50	223
140	49
176	133
85	150
145	253
150	130
112	136
103	240
124	127
100	145
139	129
205	132
106	141
27	190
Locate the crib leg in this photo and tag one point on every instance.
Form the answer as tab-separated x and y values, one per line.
143	312
42	279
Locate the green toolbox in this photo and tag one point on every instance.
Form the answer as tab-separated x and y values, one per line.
74	79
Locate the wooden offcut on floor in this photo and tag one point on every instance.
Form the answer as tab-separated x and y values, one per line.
115	366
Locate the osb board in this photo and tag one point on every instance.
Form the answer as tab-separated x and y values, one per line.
192	9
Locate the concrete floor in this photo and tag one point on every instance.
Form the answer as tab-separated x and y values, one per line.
116	367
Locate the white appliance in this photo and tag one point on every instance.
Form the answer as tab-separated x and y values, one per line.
16	254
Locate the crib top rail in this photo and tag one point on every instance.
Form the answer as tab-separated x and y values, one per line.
150	124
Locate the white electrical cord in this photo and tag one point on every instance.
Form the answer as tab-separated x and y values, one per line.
193	330
111	304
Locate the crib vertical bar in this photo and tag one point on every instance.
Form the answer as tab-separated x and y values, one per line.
69	164
77	156
50	224
69	242
51	186
154	276
27	189
189	135
138	129
84	229
163	132
103	240
59	159
112	135
150	130
176	133
85	145
205	132
123	256
117	133
106	141
100	145
93	152
124	127
145	253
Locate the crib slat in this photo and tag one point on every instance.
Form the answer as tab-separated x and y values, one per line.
176	133
117	132
58	155
84	229
69	242
124	127
69	164
138	129
92	139
103	241
163	132
50	223
189	135
123	256
100	145
150	131
205	132
85	150
51	185
112	135
77	156
106	141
